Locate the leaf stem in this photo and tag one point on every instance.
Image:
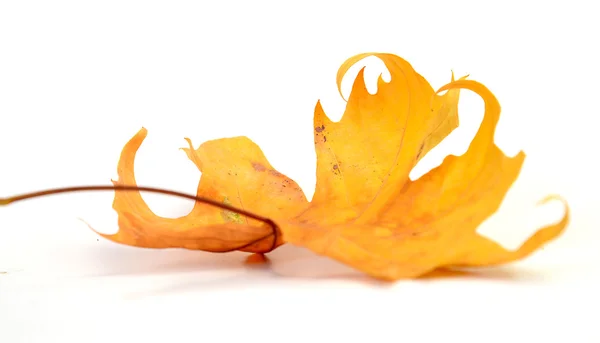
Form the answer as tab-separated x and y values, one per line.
126	188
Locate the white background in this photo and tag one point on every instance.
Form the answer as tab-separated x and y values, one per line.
79	78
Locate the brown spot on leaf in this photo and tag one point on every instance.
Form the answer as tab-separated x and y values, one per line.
258	167
275	173
324	139
320	128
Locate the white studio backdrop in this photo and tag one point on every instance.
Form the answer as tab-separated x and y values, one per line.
78	79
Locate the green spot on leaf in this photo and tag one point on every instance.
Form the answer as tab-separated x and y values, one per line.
230	216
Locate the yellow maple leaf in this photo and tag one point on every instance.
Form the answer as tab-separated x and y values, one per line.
365	212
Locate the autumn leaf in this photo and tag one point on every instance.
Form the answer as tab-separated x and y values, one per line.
365	212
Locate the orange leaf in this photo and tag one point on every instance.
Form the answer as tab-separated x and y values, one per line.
365	212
